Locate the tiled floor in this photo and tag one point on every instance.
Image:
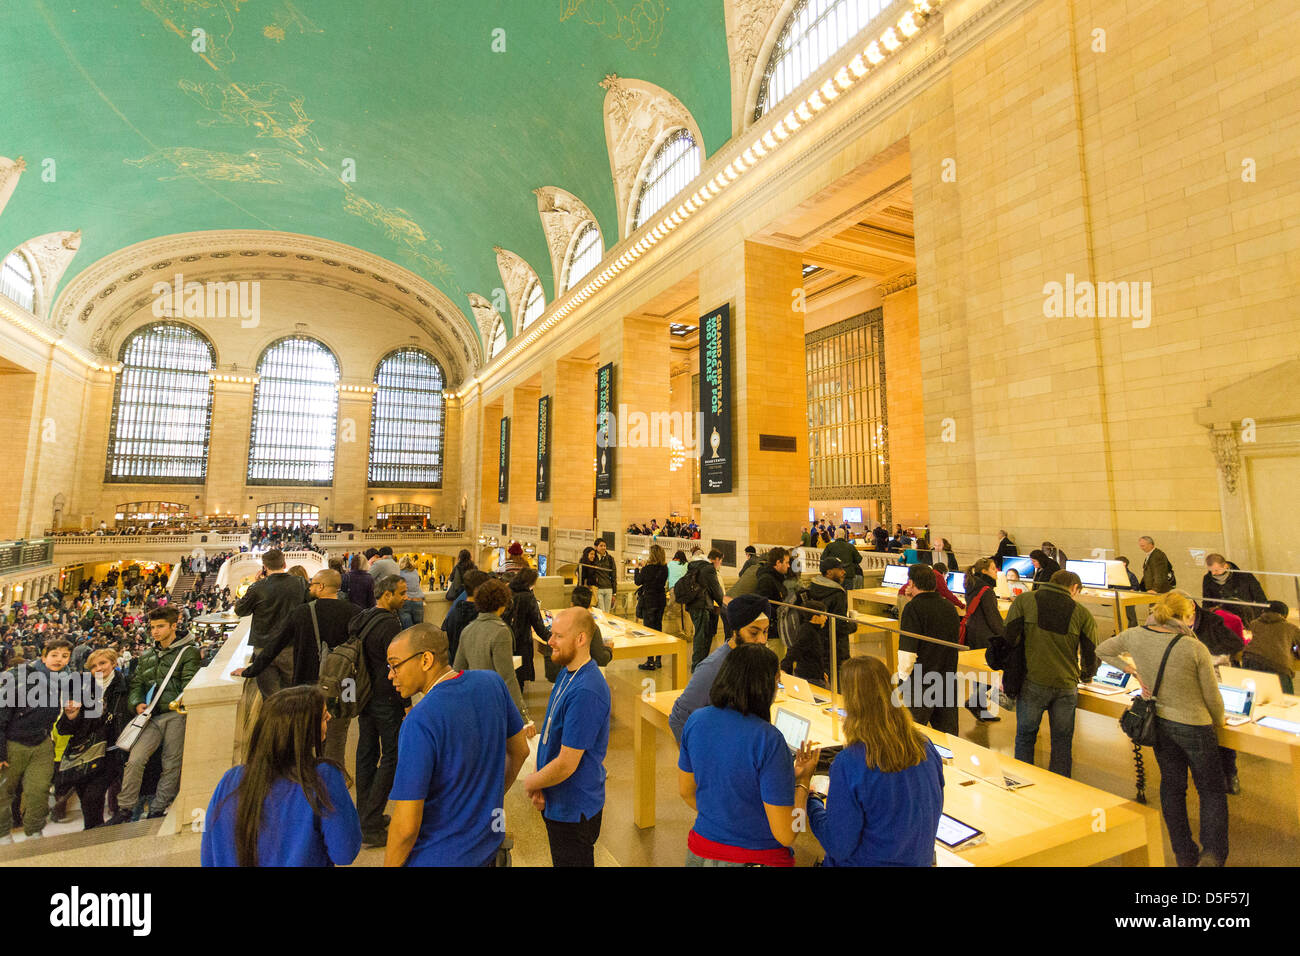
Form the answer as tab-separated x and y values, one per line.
1264	819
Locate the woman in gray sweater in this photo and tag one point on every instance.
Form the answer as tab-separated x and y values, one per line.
488	644
1188	709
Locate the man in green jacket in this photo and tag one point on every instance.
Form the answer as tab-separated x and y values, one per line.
166	728
1060	637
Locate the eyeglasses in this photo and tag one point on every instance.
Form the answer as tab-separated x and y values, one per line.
392	668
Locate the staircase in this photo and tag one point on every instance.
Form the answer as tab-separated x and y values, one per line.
183	583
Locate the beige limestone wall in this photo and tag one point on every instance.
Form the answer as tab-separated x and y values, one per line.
905	410
573	443
17	394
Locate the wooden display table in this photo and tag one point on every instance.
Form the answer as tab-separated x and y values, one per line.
1055	822
631	640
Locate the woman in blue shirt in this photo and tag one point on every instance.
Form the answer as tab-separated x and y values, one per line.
736	770
287	805
887	783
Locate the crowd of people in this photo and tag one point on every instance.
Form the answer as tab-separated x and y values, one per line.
671	528
88	663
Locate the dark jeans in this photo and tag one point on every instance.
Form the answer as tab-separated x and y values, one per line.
920	701
378	725
1183	747
1060	704
574	844
278	675
411	613
653	618
92	792
705	624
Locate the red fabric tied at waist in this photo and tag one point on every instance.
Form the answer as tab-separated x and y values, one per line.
736	854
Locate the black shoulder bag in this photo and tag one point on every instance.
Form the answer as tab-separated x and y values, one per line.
1139	721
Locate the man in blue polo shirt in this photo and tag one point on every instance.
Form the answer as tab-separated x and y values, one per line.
459	751
569	784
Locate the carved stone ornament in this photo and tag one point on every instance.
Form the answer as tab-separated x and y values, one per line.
898	283
516	276
10	171
486	317
50	254
562	214
1227	455
638	116
748	25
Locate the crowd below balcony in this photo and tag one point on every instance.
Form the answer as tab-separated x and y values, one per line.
669	529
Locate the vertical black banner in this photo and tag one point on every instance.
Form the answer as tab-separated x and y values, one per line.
715	402
503	463
606	431
544	448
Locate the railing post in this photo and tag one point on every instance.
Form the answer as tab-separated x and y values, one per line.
835	660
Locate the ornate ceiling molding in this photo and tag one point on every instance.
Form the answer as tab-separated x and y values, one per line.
110	290
562	215
516	276
485	317
638	116
10	171
50	256
749	23
897	284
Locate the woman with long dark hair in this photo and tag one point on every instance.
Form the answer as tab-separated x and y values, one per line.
1044	566
456	586
287	805
587	569
652	579
886	784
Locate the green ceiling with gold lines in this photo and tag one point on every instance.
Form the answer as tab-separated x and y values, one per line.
288	101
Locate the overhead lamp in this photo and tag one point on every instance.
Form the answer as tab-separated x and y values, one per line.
815	101
874	54
890	39
748	157
829	90
803	112
781	132
842	78
907	25
858	67
769	140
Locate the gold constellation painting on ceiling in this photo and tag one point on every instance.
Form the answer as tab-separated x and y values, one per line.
636	22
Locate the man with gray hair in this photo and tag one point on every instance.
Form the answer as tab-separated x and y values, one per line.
459	750
1157	573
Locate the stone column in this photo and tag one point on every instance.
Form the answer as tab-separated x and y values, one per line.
232	422
348	497
904	408
523	456
573	443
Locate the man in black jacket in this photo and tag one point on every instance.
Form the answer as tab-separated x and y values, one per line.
606	576
828	587
270	600
1006	549
707	605
928	670
1227	586
381	718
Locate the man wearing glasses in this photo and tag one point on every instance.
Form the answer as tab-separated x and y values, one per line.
459	751
318	626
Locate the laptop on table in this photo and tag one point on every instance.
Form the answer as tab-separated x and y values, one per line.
984	764
1109	680
1238	703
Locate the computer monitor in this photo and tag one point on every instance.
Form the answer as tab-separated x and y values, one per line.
895	576
1022	564
812	514
853	515
541	565
1091	573
956	582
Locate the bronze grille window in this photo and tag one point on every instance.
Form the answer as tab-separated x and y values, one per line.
406	421
295	414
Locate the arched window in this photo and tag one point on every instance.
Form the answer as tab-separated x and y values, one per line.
406	421
815	32
295	413
162	410
498	340
534	304
16	281
675	163
585	255
286	514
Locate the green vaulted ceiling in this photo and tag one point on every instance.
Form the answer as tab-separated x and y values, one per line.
449	138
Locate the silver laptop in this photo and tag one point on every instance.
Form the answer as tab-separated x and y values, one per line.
1238	703
1109	680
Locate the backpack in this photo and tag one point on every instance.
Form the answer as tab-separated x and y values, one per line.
687	590
347	663
788	619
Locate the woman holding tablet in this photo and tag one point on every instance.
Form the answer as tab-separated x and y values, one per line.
737	771
886	785
1188	708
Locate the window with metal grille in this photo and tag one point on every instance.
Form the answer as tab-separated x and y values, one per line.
285	514
534	304
676	163
498	340
136	511
162	408
406	421
16	281
587	252
847	426
401	508
295	414
815	31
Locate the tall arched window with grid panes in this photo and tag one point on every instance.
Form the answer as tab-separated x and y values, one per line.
813	33
406	421
162	407
584	255
534	304
17	284
676	162
295	414
497	340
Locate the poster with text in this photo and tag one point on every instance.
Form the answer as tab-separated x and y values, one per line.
503	463
606	431
715	402
544	448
